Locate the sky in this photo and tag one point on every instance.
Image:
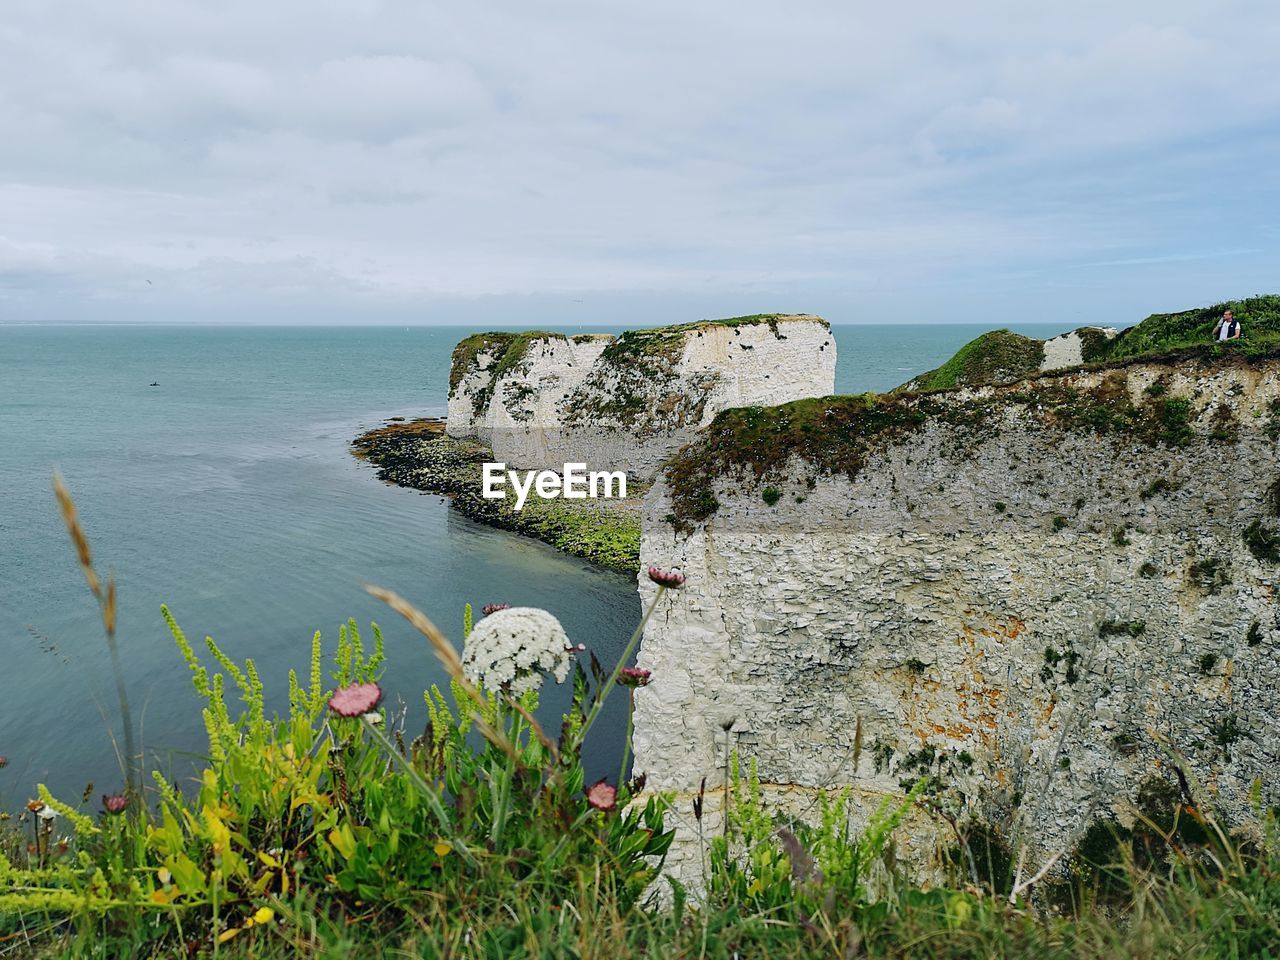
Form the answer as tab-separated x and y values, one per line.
409	161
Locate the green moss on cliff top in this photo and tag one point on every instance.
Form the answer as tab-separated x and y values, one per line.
1001	355
465	353
991	358
837	435
508	349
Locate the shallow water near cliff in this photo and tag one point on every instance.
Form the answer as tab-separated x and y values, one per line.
228	492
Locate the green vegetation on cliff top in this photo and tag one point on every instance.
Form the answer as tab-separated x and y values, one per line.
1001	355
837	435
1163	332
994	356
509	349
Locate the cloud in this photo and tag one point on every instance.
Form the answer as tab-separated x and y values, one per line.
387	154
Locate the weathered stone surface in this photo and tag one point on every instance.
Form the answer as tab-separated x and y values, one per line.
1069	349
1034	612
625	403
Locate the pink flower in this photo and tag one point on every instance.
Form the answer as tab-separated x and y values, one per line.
355	700
114	804
634	677
666	578
602	796
489	608
4	762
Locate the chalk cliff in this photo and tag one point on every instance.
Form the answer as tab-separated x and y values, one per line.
1035	595
627	402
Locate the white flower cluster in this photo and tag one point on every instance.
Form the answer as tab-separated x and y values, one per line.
511	650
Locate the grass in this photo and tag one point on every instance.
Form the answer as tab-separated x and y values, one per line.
1163	332
1001	355
995	356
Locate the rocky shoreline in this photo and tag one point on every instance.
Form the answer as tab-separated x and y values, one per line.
419	454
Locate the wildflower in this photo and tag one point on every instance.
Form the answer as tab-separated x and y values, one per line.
4	762
35	806
264	915
373	716
510	650
355	700
47	814
441	848
114	803
666	578
489	608
602	796
634	677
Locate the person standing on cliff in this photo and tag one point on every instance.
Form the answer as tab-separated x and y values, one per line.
1228	328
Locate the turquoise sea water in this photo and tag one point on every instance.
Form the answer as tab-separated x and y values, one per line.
228	493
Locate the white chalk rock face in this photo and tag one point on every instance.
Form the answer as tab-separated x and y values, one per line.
625	403
1073	348
1032	593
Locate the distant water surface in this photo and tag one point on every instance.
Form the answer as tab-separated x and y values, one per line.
228	492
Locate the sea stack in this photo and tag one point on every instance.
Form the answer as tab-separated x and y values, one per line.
540	400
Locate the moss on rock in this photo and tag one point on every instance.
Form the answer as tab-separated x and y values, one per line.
994	357
418	454
837	435
507	350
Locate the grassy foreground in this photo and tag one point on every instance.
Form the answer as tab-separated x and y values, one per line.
339	831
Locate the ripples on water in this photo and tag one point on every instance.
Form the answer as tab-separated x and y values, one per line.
228	493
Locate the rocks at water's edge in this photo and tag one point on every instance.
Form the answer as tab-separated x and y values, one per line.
420	455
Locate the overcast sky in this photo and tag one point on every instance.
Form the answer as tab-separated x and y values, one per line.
361	161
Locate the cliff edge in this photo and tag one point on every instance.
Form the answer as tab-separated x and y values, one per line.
1055	600
1001	356
542	399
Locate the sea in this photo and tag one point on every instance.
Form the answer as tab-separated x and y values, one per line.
212	471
